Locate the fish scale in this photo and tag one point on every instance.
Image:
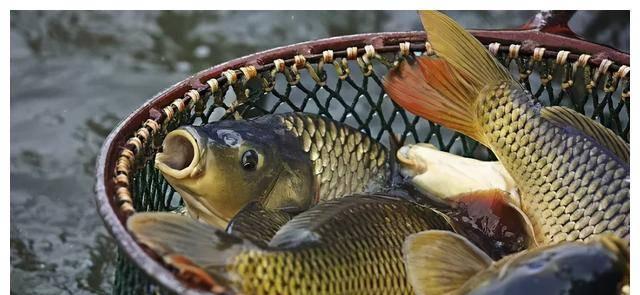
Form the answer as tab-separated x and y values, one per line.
339	153
544	160
368	262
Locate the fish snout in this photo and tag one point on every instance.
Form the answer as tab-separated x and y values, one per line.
410	164
181	154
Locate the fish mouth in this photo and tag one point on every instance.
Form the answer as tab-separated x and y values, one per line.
180	154
409	166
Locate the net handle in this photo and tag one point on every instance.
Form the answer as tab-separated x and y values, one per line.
552	22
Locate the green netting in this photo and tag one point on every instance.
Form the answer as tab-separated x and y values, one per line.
351	91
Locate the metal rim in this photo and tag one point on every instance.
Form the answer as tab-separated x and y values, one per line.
383	42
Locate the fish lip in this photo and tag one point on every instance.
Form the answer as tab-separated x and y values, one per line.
173	160
409	166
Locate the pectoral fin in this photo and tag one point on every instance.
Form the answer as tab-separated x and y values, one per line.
440	262
198	252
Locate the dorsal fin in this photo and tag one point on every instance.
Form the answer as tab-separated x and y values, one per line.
565	117
441	262
305	228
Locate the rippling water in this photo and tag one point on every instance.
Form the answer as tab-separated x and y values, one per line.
74	75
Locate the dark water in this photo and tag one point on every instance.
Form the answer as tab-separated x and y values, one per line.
74	75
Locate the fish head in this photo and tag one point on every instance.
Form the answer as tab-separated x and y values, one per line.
414	158
219	168
445	175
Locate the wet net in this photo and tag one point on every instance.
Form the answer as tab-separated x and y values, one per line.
347	86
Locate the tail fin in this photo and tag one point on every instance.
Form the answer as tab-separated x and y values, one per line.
441	262
444	90
199	252
460	49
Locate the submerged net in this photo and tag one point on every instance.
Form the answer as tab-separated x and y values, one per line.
348	88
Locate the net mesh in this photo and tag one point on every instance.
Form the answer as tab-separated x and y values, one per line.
351	91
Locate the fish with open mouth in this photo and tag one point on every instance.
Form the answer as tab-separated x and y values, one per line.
288	162
571	172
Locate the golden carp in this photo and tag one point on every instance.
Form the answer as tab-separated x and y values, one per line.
351	245
286	161
572	173
440	262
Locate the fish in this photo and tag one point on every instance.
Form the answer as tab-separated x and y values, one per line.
571	172
441	262
289	161
445	175
349	245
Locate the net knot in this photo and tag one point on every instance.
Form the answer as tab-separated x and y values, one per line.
136	142
623	71
561	58
231	76
193	94
127	154
168	111
123	195
127	209
179	104
249	72
602	70
153	125
327	56
122	180
300	60
213	85
583	59
566	84
143	133
604	66
538	53
428	48
494	47
352	52
123	166
514	49
405	48
279	65
370	51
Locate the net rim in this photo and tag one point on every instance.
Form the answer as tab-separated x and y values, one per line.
120	136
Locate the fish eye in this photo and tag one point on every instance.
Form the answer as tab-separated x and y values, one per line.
249	160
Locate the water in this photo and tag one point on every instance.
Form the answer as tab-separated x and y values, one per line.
74	75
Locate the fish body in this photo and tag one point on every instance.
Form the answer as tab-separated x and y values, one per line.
351	245
257	224
288	161
600	266
571	172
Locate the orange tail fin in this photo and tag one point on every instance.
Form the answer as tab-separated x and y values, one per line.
445	89
428	89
